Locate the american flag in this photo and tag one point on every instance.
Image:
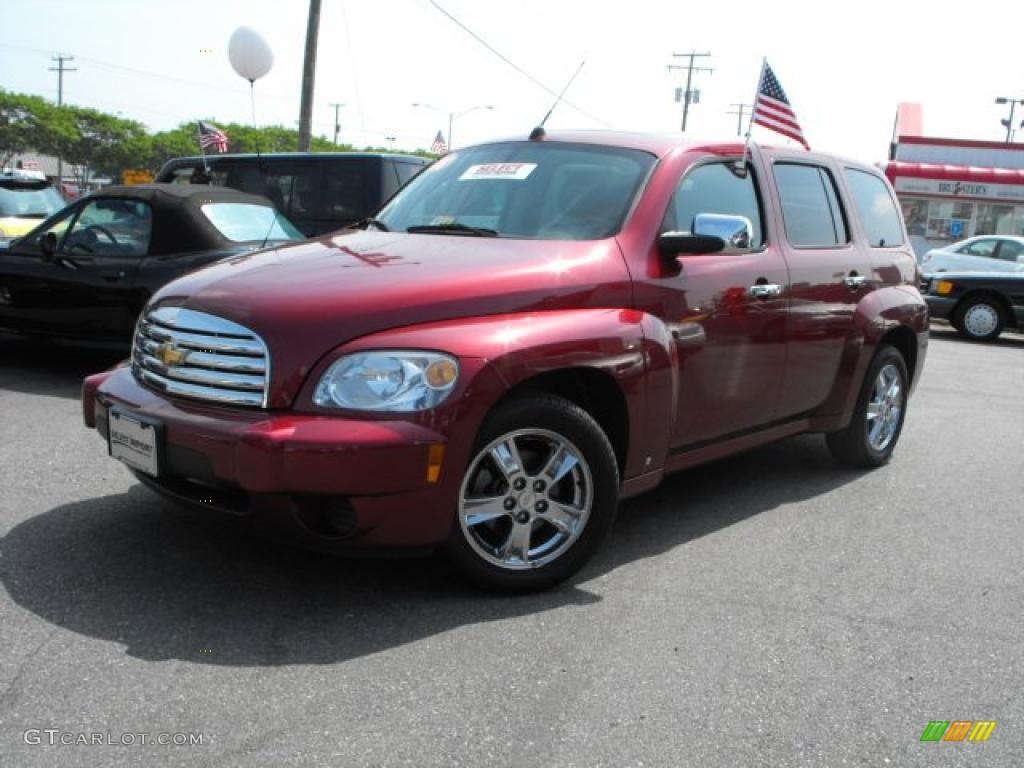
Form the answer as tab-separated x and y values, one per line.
439	147
772	109
210	136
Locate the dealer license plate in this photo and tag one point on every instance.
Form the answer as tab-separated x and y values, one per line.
134	441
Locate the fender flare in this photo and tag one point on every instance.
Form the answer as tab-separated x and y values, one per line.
502	352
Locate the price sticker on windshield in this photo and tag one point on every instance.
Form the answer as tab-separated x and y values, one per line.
512	171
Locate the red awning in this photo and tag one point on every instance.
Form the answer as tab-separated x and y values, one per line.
966	173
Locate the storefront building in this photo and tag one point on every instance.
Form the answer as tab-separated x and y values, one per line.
952	189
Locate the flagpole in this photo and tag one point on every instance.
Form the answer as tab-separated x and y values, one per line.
199	134
753	111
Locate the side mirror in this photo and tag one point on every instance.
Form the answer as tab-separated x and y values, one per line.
48	246
672	244
736	232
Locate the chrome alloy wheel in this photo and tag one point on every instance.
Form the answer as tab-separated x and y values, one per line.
981	320
525	499
885	407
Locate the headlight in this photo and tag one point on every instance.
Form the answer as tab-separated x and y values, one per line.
391	380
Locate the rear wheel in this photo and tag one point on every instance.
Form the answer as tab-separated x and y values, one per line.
979	318
538	496
871	436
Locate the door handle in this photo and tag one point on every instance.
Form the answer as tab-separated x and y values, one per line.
764	290
853	280
113	277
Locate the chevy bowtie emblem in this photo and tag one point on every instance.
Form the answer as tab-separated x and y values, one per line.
170	354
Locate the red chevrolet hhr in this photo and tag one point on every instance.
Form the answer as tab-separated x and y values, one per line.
530	331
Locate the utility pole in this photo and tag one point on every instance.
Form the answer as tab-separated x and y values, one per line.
690	68
1009	122
337	125
308	76
60	69
742	110
391	141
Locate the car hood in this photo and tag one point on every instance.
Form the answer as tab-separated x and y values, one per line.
306	299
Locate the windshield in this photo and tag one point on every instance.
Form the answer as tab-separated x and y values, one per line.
243	222
523	190
34	201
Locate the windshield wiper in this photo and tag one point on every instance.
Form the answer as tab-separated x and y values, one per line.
368	222
452	228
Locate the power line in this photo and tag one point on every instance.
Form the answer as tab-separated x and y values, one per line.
143	73
60	69
352	60
690	69
742	110
515	66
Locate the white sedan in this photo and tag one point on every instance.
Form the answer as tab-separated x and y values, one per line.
986	253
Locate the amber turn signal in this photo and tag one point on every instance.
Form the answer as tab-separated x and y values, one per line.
944	287
435	457
441	373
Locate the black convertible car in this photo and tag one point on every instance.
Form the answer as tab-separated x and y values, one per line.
978	304
87	271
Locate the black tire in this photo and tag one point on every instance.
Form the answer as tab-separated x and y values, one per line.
475	547
853	446
989	312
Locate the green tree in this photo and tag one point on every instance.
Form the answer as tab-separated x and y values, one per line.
30	123
105	144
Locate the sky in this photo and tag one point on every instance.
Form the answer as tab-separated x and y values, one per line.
845	67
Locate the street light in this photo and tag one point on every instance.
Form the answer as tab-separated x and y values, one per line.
452	116
1009	121
337	125
391	141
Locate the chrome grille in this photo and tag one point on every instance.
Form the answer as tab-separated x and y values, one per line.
204	357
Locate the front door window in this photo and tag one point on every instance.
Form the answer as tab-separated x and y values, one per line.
111	227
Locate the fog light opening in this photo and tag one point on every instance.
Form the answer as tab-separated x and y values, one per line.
329	516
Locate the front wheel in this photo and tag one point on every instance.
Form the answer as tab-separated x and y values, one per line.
979	319
877	421
538	496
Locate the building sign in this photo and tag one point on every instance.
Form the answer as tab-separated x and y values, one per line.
1008	192
136	177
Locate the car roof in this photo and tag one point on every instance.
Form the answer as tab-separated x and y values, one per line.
654	143
296	156
179	224
660	144
178	194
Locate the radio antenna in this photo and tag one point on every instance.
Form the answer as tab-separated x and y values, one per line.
539	132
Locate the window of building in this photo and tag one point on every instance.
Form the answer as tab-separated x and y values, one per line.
915	213
876	209
949	219
994	220
810	206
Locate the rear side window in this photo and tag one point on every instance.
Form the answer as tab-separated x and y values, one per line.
810	206
986	248
714	188
876	209
1010	250
406	171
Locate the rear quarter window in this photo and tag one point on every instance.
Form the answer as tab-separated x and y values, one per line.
876	208
810	206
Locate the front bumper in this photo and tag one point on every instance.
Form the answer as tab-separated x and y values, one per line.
288	468
940	306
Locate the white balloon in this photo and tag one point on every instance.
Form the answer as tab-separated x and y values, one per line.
249	53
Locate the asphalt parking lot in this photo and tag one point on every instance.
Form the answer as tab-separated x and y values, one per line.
771	609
